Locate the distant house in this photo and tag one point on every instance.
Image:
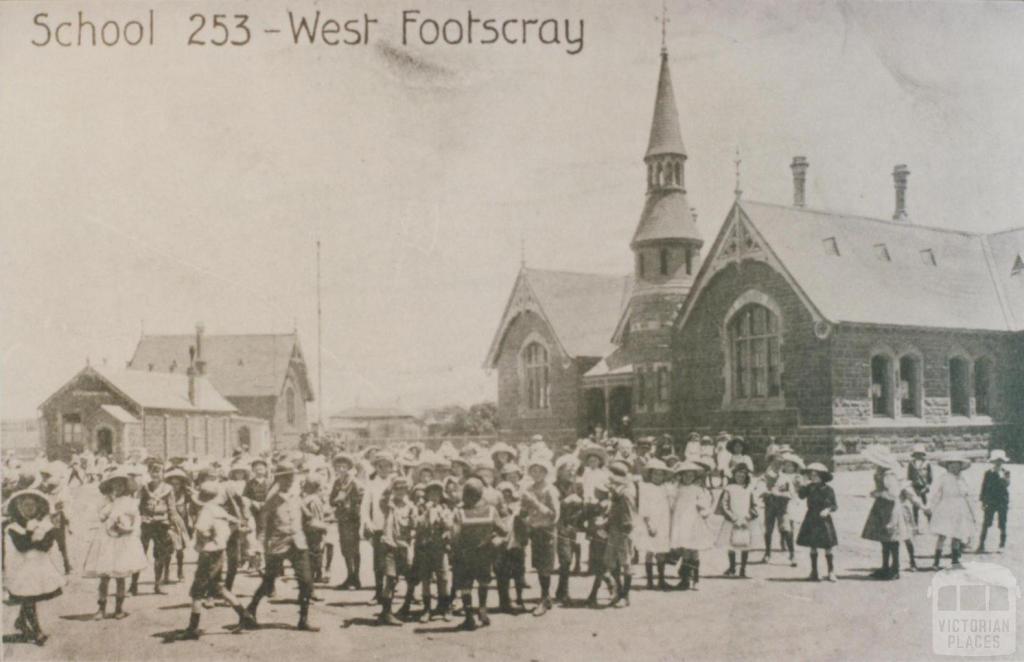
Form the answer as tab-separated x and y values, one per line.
21	436
375	423
263	375
115	412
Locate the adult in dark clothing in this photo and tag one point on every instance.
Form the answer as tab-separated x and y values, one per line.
347	499
919	473
995	498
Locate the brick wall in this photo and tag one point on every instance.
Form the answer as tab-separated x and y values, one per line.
561	418
854	345
699	350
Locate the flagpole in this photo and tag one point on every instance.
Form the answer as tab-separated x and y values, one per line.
319	347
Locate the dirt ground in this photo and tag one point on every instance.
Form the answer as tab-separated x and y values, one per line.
774	615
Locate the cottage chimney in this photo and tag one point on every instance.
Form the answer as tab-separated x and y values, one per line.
799	168
200	361
899	177
191	372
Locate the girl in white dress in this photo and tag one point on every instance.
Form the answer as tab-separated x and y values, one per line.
116	550
651	536
738	507
951	513
689	532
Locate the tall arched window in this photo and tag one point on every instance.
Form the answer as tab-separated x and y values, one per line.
679	174
910	385
959	386
983	387
881	385
537	374
756	361
663	261
289	403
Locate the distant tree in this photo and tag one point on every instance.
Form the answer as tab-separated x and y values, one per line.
457	421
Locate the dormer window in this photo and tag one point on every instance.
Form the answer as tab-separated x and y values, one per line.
1018	266
831	246
882	253
928	257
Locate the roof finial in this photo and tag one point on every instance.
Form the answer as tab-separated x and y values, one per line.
522	248
664	25
738	161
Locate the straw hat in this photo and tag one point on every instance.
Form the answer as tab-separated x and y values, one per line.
511	467
434	485
568	462
743	463
12	502
505	486
998	455
919	449
108	481
654	464
593	450
881	456
447	450
177	472
820	469
735	442
794	458
343	457
502	447
543	464
951	458
210	490
687	465
285	468
383	457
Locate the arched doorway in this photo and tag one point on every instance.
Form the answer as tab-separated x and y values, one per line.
104	441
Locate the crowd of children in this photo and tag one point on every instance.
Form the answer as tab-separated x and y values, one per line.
448	521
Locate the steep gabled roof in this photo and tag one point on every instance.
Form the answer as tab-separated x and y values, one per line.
581	309
247	365
934	278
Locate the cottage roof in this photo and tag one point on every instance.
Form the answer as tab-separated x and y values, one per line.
161	390
119	414
245	365
873	271
580	308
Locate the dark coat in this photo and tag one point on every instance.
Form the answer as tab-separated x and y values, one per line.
818	531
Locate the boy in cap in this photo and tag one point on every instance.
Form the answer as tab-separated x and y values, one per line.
371	516
256	490
156	502
473	528
346	498
396	543
919	473
618	553
314	524
284	540
433	528
995	498
213	527
510	565
541	507
570	512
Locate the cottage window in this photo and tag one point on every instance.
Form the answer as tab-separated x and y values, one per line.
983	387
755	340
641	389
663	385
910	386
881	385
959	387
72	429
689	261
663	261
537	372
289	403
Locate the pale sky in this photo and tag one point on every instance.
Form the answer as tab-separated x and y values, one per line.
167	185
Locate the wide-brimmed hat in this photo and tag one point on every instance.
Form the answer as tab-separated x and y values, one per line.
687	465
383	457
177	472
744	464
505	485
447	450
703	462
881	456
108	481
952	458
36	495
998	455
820	469
592	450
465	462
671	460
511	467
568	461
794	458
645	441
240	467
619	468
210	490
502	447
483	463
731	446
542	463
434	484
782	449
343	457
398	481
471	449
285	468
919	449
258	460
655	464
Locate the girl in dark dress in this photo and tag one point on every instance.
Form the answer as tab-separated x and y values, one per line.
817	530
30	576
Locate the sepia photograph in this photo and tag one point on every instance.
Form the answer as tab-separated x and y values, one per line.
533	330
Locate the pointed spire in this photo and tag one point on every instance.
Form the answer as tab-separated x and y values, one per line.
665	135
738	161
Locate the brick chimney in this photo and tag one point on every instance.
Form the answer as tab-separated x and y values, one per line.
200	362
899	177
799	168
191	372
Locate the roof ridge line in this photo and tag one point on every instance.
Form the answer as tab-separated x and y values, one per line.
577	273
828	212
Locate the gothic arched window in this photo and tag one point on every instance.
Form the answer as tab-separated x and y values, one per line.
289	403
755	338
537	374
